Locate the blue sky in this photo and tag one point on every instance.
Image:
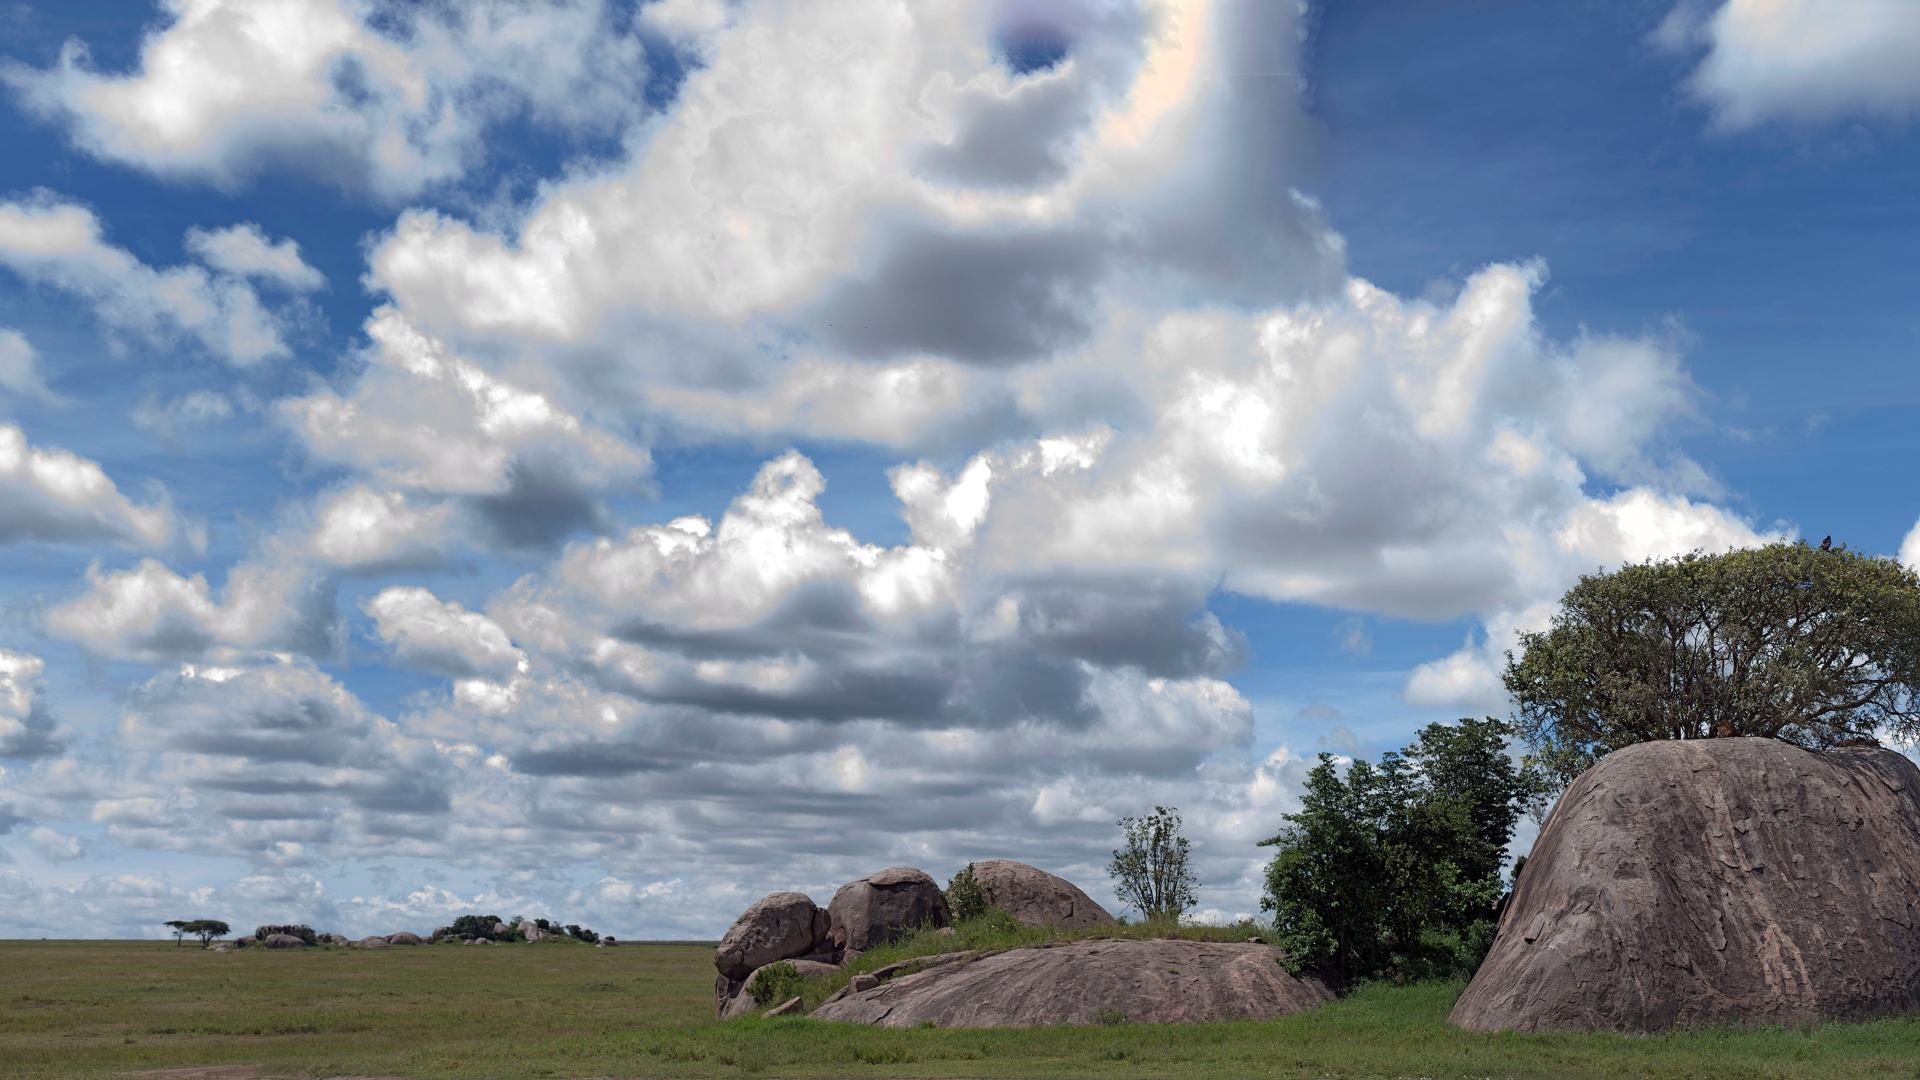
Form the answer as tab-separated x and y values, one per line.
1089	404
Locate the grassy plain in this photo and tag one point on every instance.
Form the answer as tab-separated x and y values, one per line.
111	1008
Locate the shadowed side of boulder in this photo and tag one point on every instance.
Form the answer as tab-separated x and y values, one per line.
1037	898
1718	881
1086	982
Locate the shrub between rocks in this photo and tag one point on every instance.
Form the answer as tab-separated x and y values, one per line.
303	932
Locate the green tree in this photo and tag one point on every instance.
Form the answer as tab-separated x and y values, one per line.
1150	870
966	897
1394	869
206	930
1815	646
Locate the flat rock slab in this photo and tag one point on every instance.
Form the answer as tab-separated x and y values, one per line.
1087	982
1714	881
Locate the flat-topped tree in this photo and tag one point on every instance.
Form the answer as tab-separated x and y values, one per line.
204	929
1814	646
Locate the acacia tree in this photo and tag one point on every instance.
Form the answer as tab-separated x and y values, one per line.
1814	646
204	929
1150	870
207	929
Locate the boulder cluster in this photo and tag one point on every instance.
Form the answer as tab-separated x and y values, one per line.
788	927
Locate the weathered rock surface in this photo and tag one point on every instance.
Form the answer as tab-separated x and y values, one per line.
777	927
372	943
1739	881
1086	982
878	908
405	938
334	939
1037	898
742	1002
282	941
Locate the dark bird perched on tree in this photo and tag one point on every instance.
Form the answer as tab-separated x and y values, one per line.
1826	544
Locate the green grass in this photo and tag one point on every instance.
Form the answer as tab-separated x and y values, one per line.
107	1008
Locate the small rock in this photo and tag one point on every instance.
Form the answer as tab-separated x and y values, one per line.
862	982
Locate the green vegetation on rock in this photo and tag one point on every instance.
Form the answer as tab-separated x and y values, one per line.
1815	646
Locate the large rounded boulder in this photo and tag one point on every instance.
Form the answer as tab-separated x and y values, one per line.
878	908
282	941
1081	982
1718	881
1037	898
405	937
777	927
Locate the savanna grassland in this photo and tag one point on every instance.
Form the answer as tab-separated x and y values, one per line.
114	1008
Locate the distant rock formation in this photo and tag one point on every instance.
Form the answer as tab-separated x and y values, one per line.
1717	881
1037	898
881	907
1081	982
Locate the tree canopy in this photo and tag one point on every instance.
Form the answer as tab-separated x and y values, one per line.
1814	646
204	929
1394	869
1150	870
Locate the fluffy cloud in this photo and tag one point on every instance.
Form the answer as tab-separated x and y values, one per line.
152	613
245	251
26	728
376	94
427	632
1800	61
422	418
50	494
267	758
48	241
360	529
822	231
1910	548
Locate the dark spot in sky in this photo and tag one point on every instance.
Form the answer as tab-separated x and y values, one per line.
1030	53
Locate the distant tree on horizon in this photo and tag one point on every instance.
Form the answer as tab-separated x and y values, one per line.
1150	869
1816	646
204	929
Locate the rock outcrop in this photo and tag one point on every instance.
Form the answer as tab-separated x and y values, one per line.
878	908
282	941
405	938
782	926
1741	881
777	927
372	943
1037	898
1081	982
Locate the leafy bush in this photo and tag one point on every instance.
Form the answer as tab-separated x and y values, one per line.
966	897
303	932
776	983
477	927
1394	870
581	933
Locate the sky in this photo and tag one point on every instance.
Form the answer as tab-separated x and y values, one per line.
614	460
